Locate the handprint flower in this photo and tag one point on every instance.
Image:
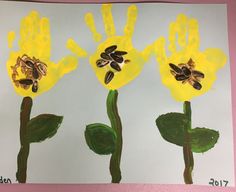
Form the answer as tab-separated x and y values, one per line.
32	72
30	68
187	72
116	63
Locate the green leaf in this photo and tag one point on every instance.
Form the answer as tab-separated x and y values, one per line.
100	138
172	126
43	126
203	139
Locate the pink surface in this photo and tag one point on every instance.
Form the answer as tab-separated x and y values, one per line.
231	6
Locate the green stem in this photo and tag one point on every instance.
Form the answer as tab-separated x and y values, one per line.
23	154
113	115
187	151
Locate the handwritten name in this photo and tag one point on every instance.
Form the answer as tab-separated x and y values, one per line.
4	180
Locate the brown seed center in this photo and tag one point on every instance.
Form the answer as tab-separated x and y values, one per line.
185	72
112	58
33	71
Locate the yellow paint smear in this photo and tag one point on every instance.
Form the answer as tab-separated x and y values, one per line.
75	48
10	38
131	20
108	20
89	20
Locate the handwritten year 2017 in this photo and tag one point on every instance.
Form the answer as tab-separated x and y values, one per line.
221	183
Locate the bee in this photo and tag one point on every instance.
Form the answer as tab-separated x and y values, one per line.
32	68
113	58
186	73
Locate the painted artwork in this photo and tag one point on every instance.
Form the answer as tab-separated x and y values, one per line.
122	93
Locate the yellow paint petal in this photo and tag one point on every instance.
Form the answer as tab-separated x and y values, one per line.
10	38
193	37
181	29
108	20
172	37
89	20
67	64
217	56
75	48
131	20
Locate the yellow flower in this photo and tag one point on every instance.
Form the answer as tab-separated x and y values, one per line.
30	69
187	72
116	62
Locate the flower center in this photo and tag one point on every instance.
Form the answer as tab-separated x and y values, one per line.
113	60
32	70
185	72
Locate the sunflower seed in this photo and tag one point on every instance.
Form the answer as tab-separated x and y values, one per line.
175	68
35	73
115	66
197	85
190	62
127	61
105	56
35	86
110	49
180	77
108	77
29	64
117	58
120	53
26	81
186	71
198	74
101	63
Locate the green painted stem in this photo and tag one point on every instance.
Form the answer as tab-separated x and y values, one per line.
23	154
113	115
187	151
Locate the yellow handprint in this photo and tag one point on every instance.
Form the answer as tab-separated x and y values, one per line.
30	68
187	72
116	62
